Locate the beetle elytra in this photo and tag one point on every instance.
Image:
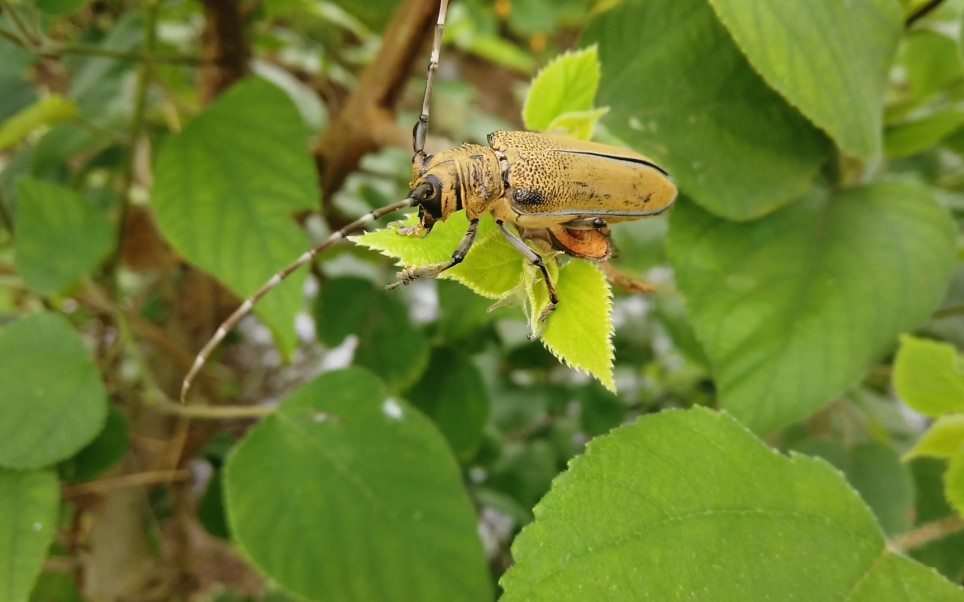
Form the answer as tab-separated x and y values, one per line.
567	190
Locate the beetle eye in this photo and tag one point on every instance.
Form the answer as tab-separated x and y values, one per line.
429	196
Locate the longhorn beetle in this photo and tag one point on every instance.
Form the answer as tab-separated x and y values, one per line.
569	190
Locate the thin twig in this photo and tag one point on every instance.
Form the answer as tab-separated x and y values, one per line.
200	412
127	480
18	23
134	134
947	312
921	12
120	55
5	216
927	533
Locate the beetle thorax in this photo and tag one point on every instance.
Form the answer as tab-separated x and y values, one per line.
469	176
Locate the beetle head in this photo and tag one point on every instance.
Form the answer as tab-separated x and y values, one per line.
436	190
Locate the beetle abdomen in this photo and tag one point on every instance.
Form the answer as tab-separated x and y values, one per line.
552	180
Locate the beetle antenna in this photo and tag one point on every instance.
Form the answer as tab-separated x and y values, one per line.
421	128
249	303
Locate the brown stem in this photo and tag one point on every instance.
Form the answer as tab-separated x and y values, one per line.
127	480
366	123
225	50
927	533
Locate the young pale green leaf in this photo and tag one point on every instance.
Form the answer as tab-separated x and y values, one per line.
492	268
52	402
578	124
680	91
927	376
792	309
567	84
453	394
225	190
60	236
688	505
46	111
579	335
942	439
954	481
348	494
29	502
580	331
388	343
829	59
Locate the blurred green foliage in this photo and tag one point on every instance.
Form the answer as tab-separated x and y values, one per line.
366	444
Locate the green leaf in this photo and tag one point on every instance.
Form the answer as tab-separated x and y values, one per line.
60	8
29	503
567	84
941	440
463	315
578	124
580	335
792	309
104	452
18	93
61	236
453	394
225	191
492	268
946	554
580	331
718	518
46	111
954	481
829	59
927	376
680	91
921	135
876	472
348	494
52	402
388	343
926	60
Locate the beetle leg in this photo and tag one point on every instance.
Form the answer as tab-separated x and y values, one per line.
430	271
536	260
590	223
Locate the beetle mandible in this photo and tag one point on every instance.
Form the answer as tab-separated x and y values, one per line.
569	189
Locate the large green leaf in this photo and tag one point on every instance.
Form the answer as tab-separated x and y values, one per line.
29	502
348	494
690	506
680	90
52	402
793	308
225	190
829	59
875	470
61	236
453	394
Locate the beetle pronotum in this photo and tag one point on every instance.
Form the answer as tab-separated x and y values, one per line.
568	189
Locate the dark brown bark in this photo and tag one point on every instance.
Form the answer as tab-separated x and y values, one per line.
367	121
